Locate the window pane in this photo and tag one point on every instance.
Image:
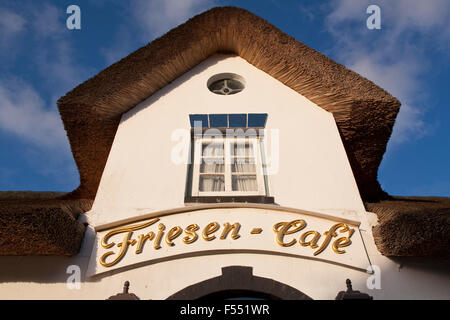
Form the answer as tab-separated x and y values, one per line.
212	149
212	165
218	120
257	120
203	118
244	183
237	120
243	149
211	183
243	165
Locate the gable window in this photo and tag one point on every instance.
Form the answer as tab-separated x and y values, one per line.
227	166
228	159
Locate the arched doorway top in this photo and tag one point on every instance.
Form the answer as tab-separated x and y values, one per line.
239	279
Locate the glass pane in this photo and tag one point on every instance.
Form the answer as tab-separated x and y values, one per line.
212	165
196	118
212	183
243	165
218	120
243	149
244	183
257	120
237	120
212	149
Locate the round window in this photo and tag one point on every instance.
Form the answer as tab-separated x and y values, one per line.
226	84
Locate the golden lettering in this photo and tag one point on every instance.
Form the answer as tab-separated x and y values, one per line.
123	245
283	228
210	229
330	234
343	242
256	231
173	234
191	234
141	240
157	243
313	242
282	231
227	228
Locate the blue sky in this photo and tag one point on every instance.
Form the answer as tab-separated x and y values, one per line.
40	60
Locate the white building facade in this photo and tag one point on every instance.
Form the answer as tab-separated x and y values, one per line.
278	203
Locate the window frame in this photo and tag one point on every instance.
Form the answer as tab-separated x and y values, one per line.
227	143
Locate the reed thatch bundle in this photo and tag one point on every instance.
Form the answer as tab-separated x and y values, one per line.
37	223
412	226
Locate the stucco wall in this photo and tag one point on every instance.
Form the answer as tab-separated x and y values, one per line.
140	175
45	277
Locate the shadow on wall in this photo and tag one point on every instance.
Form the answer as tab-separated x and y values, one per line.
202	66
47	269
54	269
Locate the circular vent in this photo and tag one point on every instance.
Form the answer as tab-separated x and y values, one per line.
226	84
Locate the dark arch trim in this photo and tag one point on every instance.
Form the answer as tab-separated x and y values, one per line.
239	278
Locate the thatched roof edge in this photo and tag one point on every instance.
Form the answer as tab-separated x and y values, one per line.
412	226
41	226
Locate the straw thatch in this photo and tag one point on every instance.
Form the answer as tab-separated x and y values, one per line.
40	223
412	226
364	113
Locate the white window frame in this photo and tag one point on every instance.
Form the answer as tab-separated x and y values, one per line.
227	141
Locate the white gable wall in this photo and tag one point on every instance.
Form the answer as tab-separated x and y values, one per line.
140	177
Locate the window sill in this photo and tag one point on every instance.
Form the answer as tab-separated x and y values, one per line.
222	199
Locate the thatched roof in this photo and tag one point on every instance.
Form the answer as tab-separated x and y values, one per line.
40	223
412	226
364	112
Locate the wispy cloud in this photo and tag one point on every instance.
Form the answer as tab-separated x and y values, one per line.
11	24
49	69
149	19
47	21
393	57
156	17
24	113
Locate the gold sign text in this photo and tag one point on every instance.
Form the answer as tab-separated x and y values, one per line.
287	234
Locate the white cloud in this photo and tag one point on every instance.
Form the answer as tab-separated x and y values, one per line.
402	79
405	14
11	24
392	57
156	17
47	21
23	113
147	20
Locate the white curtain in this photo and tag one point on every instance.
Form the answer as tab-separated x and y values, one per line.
244	183
212	166
212	149
212	183
243	149
244	166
